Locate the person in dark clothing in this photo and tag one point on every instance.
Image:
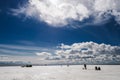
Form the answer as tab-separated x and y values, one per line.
85	66
96	68
99	68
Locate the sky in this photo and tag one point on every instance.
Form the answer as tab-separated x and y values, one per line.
73	30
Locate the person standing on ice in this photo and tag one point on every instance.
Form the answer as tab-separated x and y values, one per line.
85	66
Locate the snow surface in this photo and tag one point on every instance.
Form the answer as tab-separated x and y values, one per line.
75	72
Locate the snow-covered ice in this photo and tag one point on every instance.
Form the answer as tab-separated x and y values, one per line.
75	72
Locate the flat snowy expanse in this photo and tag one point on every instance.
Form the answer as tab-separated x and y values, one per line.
108	72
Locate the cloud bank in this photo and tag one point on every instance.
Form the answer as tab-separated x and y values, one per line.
77	53
64	12
88	52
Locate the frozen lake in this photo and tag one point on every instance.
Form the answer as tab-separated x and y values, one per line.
108	72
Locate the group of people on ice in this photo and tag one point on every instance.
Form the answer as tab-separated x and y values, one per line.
96	68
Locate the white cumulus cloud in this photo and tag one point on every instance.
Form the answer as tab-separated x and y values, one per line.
63	12
43	55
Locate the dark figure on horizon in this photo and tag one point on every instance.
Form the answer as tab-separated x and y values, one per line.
97	68
26	66
85	66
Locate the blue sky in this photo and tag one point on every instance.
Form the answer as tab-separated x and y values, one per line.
20	26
